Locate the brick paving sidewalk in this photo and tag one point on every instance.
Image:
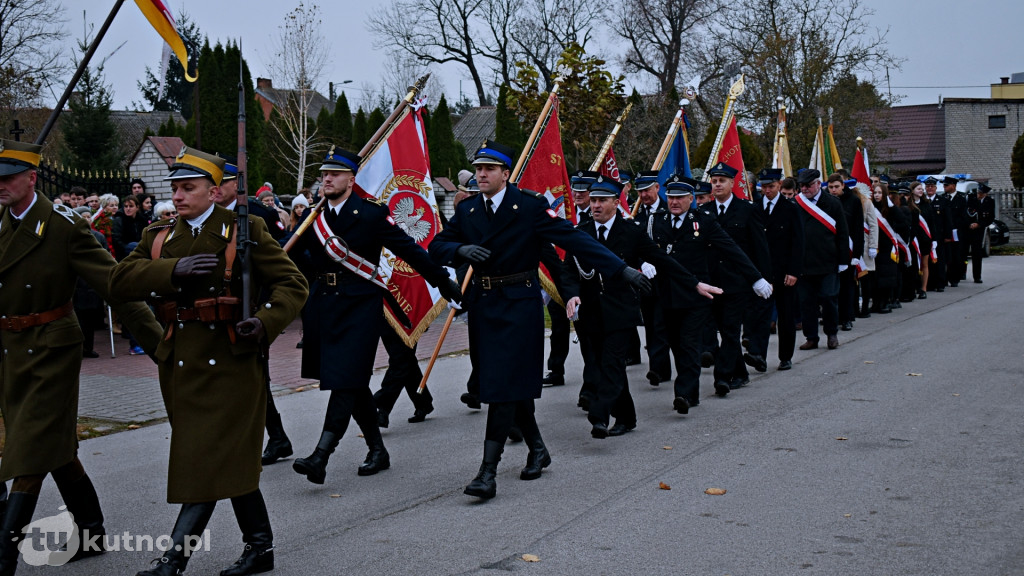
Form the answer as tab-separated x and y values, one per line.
125	389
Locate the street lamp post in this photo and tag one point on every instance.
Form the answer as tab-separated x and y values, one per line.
330	87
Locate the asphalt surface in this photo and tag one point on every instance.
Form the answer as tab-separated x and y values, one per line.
899	453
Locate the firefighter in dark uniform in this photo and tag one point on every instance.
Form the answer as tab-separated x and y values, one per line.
981	212
44	249
957	235
938	223
660	367
502	232
210	359
344	318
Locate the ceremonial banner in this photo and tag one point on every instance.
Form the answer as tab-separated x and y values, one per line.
859	170
545	173
818	153
832	161
397	174
780	151
678	159
730	153
610	169
159	15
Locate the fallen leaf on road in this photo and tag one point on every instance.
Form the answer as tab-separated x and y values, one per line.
666	447
335	495
913	374
300	389
664	486
869	361
531	558
715	491
97	453
847	515
360	435
134	427
842	438
955	394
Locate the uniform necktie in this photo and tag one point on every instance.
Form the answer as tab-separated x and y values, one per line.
601	233
721	210
490	208
768	208
677	222
15	222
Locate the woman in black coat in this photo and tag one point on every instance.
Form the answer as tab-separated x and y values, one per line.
885	266
128	226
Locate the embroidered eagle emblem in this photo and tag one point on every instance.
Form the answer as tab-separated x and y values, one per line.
410	219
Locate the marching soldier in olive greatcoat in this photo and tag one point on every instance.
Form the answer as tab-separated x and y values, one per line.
44	248
210	358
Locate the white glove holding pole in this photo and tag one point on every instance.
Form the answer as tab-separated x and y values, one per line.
763	289
855	262
842	268
873	253
648	270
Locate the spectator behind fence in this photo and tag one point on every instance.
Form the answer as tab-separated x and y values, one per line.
164	211
103	219
128	226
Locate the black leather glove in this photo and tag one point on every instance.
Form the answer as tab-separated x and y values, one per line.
250	329
473	253
198	265
637	280
450	291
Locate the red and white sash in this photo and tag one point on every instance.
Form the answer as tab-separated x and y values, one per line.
917	252
894	238
816	212
339	252
927	231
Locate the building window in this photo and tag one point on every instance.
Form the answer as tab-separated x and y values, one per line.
997	121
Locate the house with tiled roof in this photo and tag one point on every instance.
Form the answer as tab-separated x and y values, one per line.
152	160
475	126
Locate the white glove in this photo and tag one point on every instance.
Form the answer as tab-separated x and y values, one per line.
763	289
648	270
873	252
842	268
935	245
956	237
855	262
453	305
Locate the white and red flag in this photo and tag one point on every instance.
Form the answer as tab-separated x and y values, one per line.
397	174
730	153
610	169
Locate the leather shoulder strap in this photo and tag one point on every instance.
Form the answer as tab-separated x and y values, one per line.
158	242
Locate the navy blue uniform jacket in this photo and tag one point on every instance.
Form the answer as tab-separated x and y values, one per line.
506	324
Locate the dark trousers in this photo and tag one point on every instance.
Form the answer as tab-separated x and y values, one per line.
783	300
657	344
956	268
684	327
403	374
607	353
90	320
351	404
559	338
866	289
501	416
819	290
847	300
591	370
728	310
977	251
937	270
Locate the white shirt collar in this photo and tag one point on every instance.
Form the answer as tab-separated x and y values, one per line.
726	204
607	225
766	201
654	207
496	199
232	205
202	217
816	197
337	209
22	215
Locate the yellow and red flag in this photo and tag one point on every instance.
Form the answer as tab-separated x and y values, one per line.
159	15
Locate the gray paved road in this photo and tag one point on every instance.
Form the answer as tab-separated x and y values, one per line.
848	464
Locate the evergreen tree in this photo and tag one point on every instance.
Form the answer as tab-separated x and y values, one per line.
360	131
1017	163
507	129
700	155
342	123
376	119
445	158
90	138
325	125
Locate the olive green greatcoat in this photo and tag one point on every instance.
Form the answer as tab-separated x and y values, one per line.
39	366
213	390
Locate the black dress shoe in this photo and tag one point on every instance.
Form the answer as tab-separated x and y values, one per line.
277	448
599	431
833	342
254	560
584	403
299	344
721	388
633	361
620	429
940	289
885	310
756	362
977	281
553	379
786	365
471	400
376	460
954	284
809	345
654	378
846	326
383	419
681	405
922	295
421	414
737	383
90	354
707	360
864	315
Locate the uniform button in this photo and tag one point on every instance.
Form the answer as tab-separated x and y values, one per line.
267	305
181	325
213	362
152	294
213	326
180	363
212	289
29	351
28	286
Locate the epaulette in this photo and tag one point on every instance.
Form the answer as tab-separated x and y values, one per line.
65	211
533	193
161	224
373	200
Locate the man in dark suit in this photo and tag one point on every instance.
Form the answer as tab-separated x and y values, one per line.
660	366
611	307
502	232
745	225
981	212
785	234
695	240
957	232
938	223
344	317
826	254
853	210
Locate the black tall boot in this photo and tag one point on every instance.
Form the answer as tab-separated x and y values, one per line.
20	506
314	467
539	458
278	446
484	485
83	503
377	458
192	520
258	556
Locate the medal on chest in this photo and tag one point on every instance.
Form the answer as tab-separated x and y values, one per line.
696	229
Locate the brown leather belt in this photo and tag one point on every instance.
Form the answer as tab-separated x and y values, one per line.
19	323
491	282
222	309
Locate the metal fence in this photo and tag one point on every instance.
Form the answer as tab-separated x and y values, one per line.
1009	206
56	179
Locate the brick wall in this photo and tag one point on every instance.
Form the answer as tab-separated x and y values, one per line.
152	169
972	147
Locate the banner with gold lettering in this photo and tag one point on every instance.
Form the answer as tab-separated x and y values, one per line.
730	153
398	176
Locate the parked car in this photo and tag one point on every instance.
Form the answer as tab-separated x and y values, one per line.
998	234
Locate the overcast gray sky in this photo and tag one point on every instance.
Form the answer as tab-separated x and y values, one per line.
945	43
